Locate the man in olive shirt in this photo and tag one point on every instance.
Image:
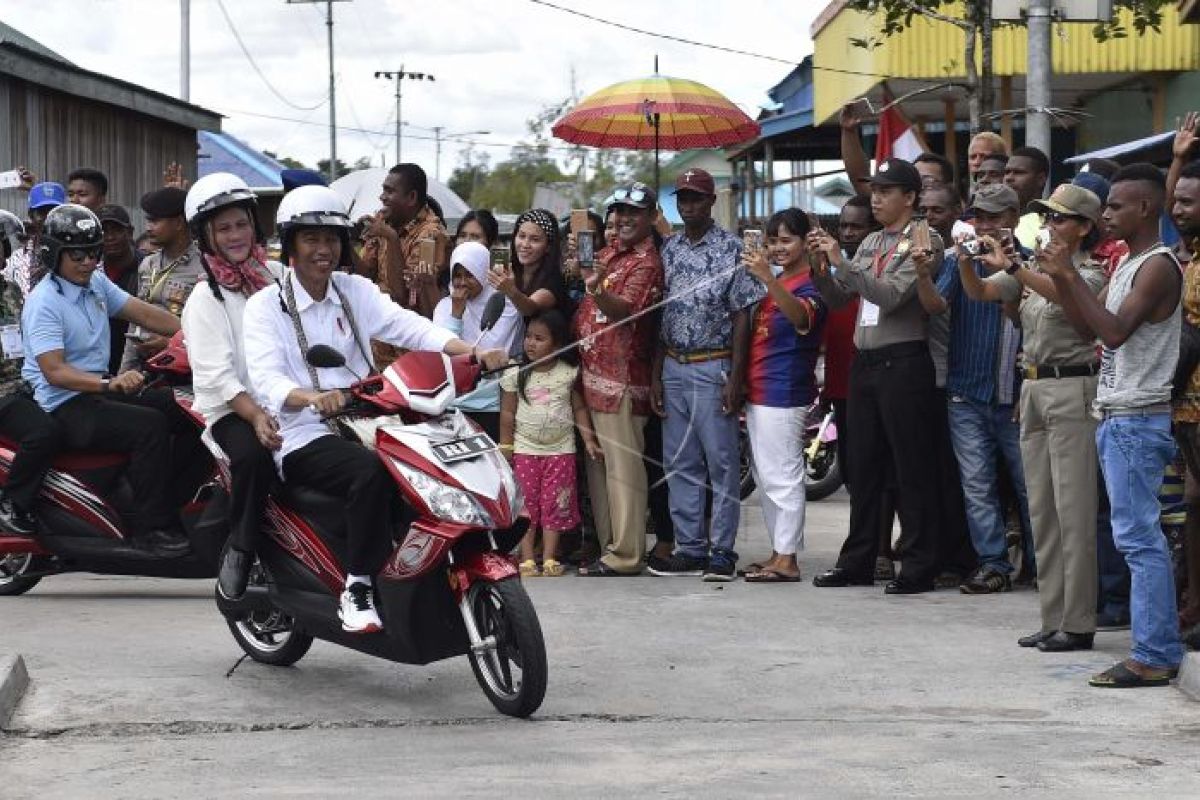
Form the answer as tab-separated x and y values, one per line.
891	387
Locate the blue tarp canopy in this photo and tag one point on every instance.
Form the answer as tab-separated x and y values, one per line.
1149	148
221	152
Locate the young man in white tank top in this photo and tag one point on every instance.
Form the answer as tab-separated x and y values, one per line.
1136	318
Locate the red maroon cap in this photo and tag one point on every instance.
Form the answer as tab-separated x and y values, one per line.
695	180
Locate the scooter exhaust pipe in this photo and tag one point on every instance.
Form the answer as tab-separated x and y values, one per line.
256	598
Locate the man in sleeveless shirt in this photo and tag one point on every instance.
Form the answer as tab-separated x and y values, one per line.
1136	318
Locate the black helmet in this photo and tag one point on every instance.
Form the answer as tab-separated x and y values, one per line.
67	227
12	233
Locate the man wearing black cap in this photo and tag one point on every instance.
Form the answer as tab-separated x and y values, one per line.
891	387
165	278
120	262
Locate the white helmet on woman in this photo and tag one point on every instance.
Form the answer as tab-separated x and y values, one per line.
212	194
313	207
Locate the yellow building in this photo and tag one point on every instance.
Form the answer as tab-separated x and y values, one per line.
1128	87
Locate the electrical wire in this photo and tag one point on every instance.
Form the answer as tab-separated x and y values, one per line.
254	64
694	43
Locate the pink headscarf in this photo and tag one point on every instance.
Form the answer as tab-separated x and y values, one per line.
247	277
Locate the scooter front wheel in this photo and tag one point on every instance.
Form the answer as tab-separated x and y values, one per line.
508	654
14	568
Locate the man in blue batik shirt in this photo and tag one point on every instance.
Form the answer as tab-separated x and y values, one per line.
698	381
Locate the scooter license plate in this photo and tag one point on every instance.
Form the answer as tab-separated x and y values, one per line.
461	449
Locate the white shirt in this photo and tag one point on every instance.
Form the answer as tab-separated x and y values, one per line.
276	366
213	330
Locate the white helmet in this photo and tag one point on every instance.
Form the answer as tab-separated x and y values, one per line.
313	207
12	233
214	193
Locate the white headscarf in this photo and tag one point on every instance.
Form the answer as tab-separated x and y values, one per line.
475	258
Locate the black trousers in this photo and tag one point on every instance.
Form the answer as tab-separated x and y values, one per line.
843	441
891	412
252	470
38	439
658	502
141	425
346	469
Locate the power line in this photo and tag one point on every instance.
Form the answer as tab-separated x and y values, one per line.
694	43
250	58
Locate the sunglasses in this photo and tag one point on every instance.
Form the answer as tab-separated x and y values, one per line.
83	253
635	195
1058	216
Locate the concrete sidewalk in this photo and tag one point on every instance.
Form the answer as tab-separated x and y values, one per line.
663	686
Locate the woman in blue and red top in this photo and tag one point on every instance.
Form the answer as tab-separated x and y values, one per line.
781	384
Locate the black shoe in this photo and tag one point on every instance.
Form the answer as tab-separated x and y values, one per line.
234	573
1112	621
721	569
901	586
14	520
1035	639
838	577
165	544
986	581
1063	642
679	565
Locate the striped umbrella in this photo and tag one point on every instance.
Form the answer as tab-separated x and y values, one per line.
656	113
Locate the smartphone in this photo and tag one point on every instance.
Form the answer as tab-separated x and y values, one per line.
10	179
921	240
585	247
427	255
1043	238
752	240
580	221
500	257
1005	235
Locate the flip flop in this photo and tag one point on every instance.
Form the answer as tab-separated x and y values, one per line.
598	569
1119	676
771	575
750	570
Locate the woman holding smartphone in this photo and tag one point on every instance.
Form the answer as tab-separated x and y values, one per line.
1058	432
533	279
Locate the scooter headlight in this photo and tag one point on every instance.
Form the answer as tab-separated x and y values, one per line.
445	501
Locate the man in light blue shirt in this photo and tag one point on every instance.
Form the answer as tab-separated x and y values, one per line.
66	343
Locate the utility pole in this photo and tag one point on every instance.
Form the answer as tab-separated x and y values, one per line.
185	50
400	75
1038	70
332	90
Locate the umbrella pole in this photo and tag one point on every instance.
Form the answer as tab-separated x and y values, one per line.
656	180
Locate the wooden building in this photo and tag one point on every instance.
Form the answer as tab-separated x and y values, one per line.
56	117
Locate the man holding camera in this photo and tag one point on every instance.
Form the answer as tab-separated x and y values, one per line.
981	385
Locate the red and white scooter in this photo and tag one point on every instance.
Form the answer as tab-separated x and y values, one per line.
448	587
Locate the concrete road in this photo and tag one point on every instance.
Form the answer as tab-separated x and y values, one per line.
658	687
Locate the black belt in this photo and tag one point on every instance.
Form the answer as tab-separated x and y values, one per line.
1040	371
890	351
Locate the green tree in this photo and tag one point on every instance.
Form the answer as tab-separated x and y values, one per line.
974	19
471	172
287	161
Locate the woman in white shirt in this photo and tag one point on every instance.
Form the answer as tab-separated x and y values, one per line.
222	212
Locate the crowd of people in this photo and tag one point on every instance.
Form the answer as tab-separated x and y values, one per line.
1012	368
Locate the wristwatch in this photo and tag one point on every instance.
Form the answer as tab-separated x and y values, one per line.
104	382
1012	268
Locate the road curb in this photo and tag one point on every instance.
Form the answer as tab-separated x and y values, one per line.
1189	675
14	678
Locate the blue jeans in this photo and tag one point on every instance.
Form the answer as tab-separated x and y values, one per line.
980	432
700	449
1134	451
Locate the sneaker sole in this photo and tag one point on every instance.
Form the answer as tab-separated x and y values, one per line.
691	573
370	628
710	577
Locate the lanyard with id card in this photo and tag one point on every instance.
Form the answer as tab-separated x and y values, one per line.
10	340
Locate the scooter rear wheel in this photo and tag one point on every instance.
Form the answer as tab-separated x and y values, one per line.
13	568
268	637
510	665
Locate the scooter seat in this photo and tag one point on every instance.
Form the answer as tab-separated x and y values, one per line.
78	461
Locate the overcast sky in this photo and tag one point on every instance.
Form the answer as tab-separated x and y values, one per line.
497	62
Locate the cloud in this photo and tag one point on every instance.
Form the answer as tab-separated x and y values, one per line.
497	62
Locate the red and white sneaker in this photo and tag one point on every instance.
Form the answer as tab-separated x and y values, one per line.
357	609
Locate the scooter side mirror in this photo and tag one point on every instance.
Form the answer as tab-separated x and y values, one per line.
322	356
492	312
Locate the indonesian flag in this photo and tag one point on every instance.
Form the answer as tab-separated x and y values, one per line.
897	137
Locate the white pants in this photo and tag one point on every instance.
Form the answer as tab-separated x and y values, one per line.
777	445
